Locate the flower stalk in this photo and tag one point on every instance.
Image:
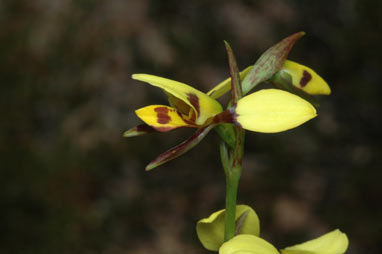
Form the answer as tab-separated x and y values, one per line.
232	171
232	166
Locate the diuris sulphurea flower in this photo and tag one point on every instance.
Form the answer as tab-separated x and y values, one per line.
265	111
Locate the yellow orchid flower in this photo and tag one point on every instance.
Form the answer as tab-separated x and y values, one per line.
266	111
334	242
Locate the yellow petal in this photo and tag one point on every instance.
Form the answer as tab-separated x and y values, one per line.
210	230
162	118
306	79
225	86
334	242
247	244
273	110
202	105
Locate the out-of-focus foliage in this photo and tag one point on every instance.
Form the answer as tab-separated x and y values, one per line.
71	184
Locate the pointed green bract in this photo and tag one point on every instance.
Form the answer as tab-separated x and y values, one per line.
210	230
272	110
202	105
235	76
269	62
247	244
334	242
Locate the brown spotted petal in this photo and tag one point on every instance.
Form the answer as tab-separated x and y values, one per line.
180	149
163	118
202	105
305	78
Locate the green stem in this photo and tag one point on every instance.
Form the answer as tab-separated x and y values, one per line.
232	182
233	173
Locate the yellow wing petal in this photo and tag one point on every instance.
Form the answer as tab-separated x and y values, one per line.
162	118
225	86
247	244
334	242
273	110
306	79
203	106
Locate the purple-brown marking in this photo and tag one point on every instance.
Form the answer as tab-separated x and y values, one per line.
306	77
190	122
227	116
139	130
162	115
144	128
194	100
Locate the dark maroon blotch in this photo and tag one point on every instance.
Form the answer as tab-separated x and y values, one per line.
162	115
306	77
144	128
194	100
227	116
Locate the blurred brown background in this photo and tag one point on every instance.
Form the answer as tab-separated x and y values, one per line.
71	184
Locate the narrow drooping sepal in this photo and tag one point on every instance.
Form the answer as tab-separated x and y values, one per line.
334	242
162	118
305	78
210	230
139	130
247	244
180	149
201	104
225	86
269	62
272	110
235	76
